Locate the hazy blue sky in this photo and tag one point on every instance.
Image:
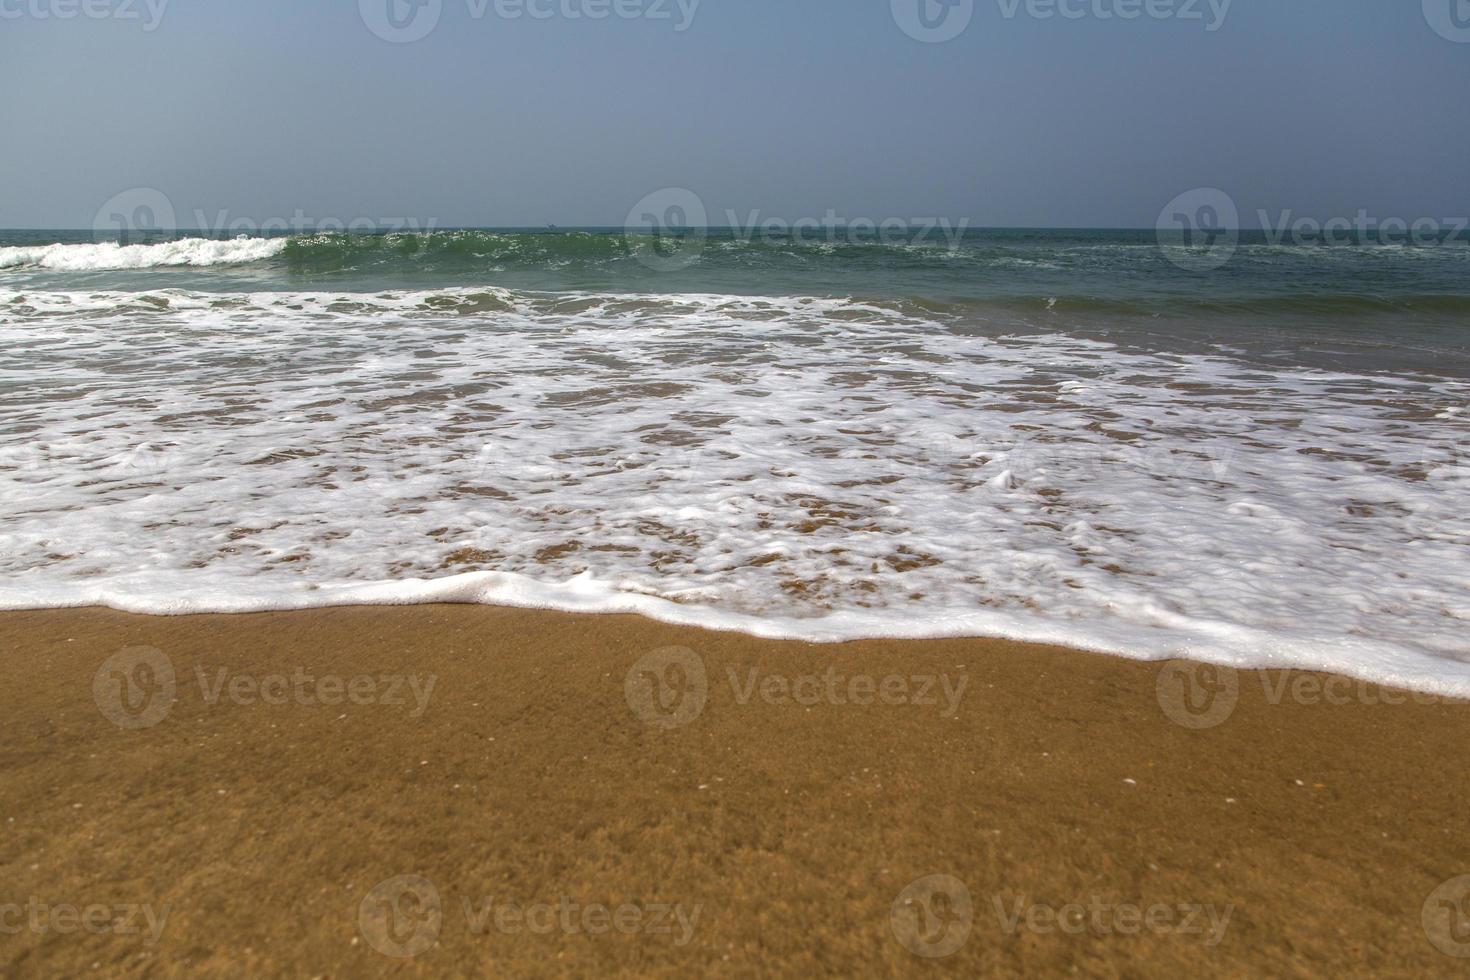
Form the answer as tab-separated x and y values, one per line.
792	107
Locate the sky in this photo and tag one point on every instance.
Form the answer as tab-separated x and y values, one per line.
274	109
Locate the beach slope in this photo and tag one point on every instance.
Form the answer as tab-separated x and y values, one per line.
451	790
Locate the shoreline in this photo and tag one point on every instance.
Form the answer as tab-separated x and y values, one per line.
319	786
1374	663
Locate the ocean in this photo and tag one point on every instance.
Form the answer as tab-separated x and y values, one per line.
1079	437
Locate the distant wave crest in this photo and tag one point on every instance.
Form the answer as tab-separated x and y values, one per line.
110	255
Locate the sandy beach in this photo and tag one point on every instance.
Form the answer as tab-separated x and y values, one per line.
456	790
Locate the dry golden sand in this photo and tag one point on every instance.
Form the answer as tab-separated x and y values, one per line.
790	830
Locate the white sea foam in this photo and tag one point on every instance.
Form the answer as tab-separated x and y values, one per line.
808	468
112	256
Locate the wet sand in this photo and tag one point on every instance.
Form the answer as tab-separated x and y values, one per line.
456	790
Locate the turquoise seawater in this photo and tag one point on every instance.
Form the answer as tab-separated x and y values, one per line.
1363	304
